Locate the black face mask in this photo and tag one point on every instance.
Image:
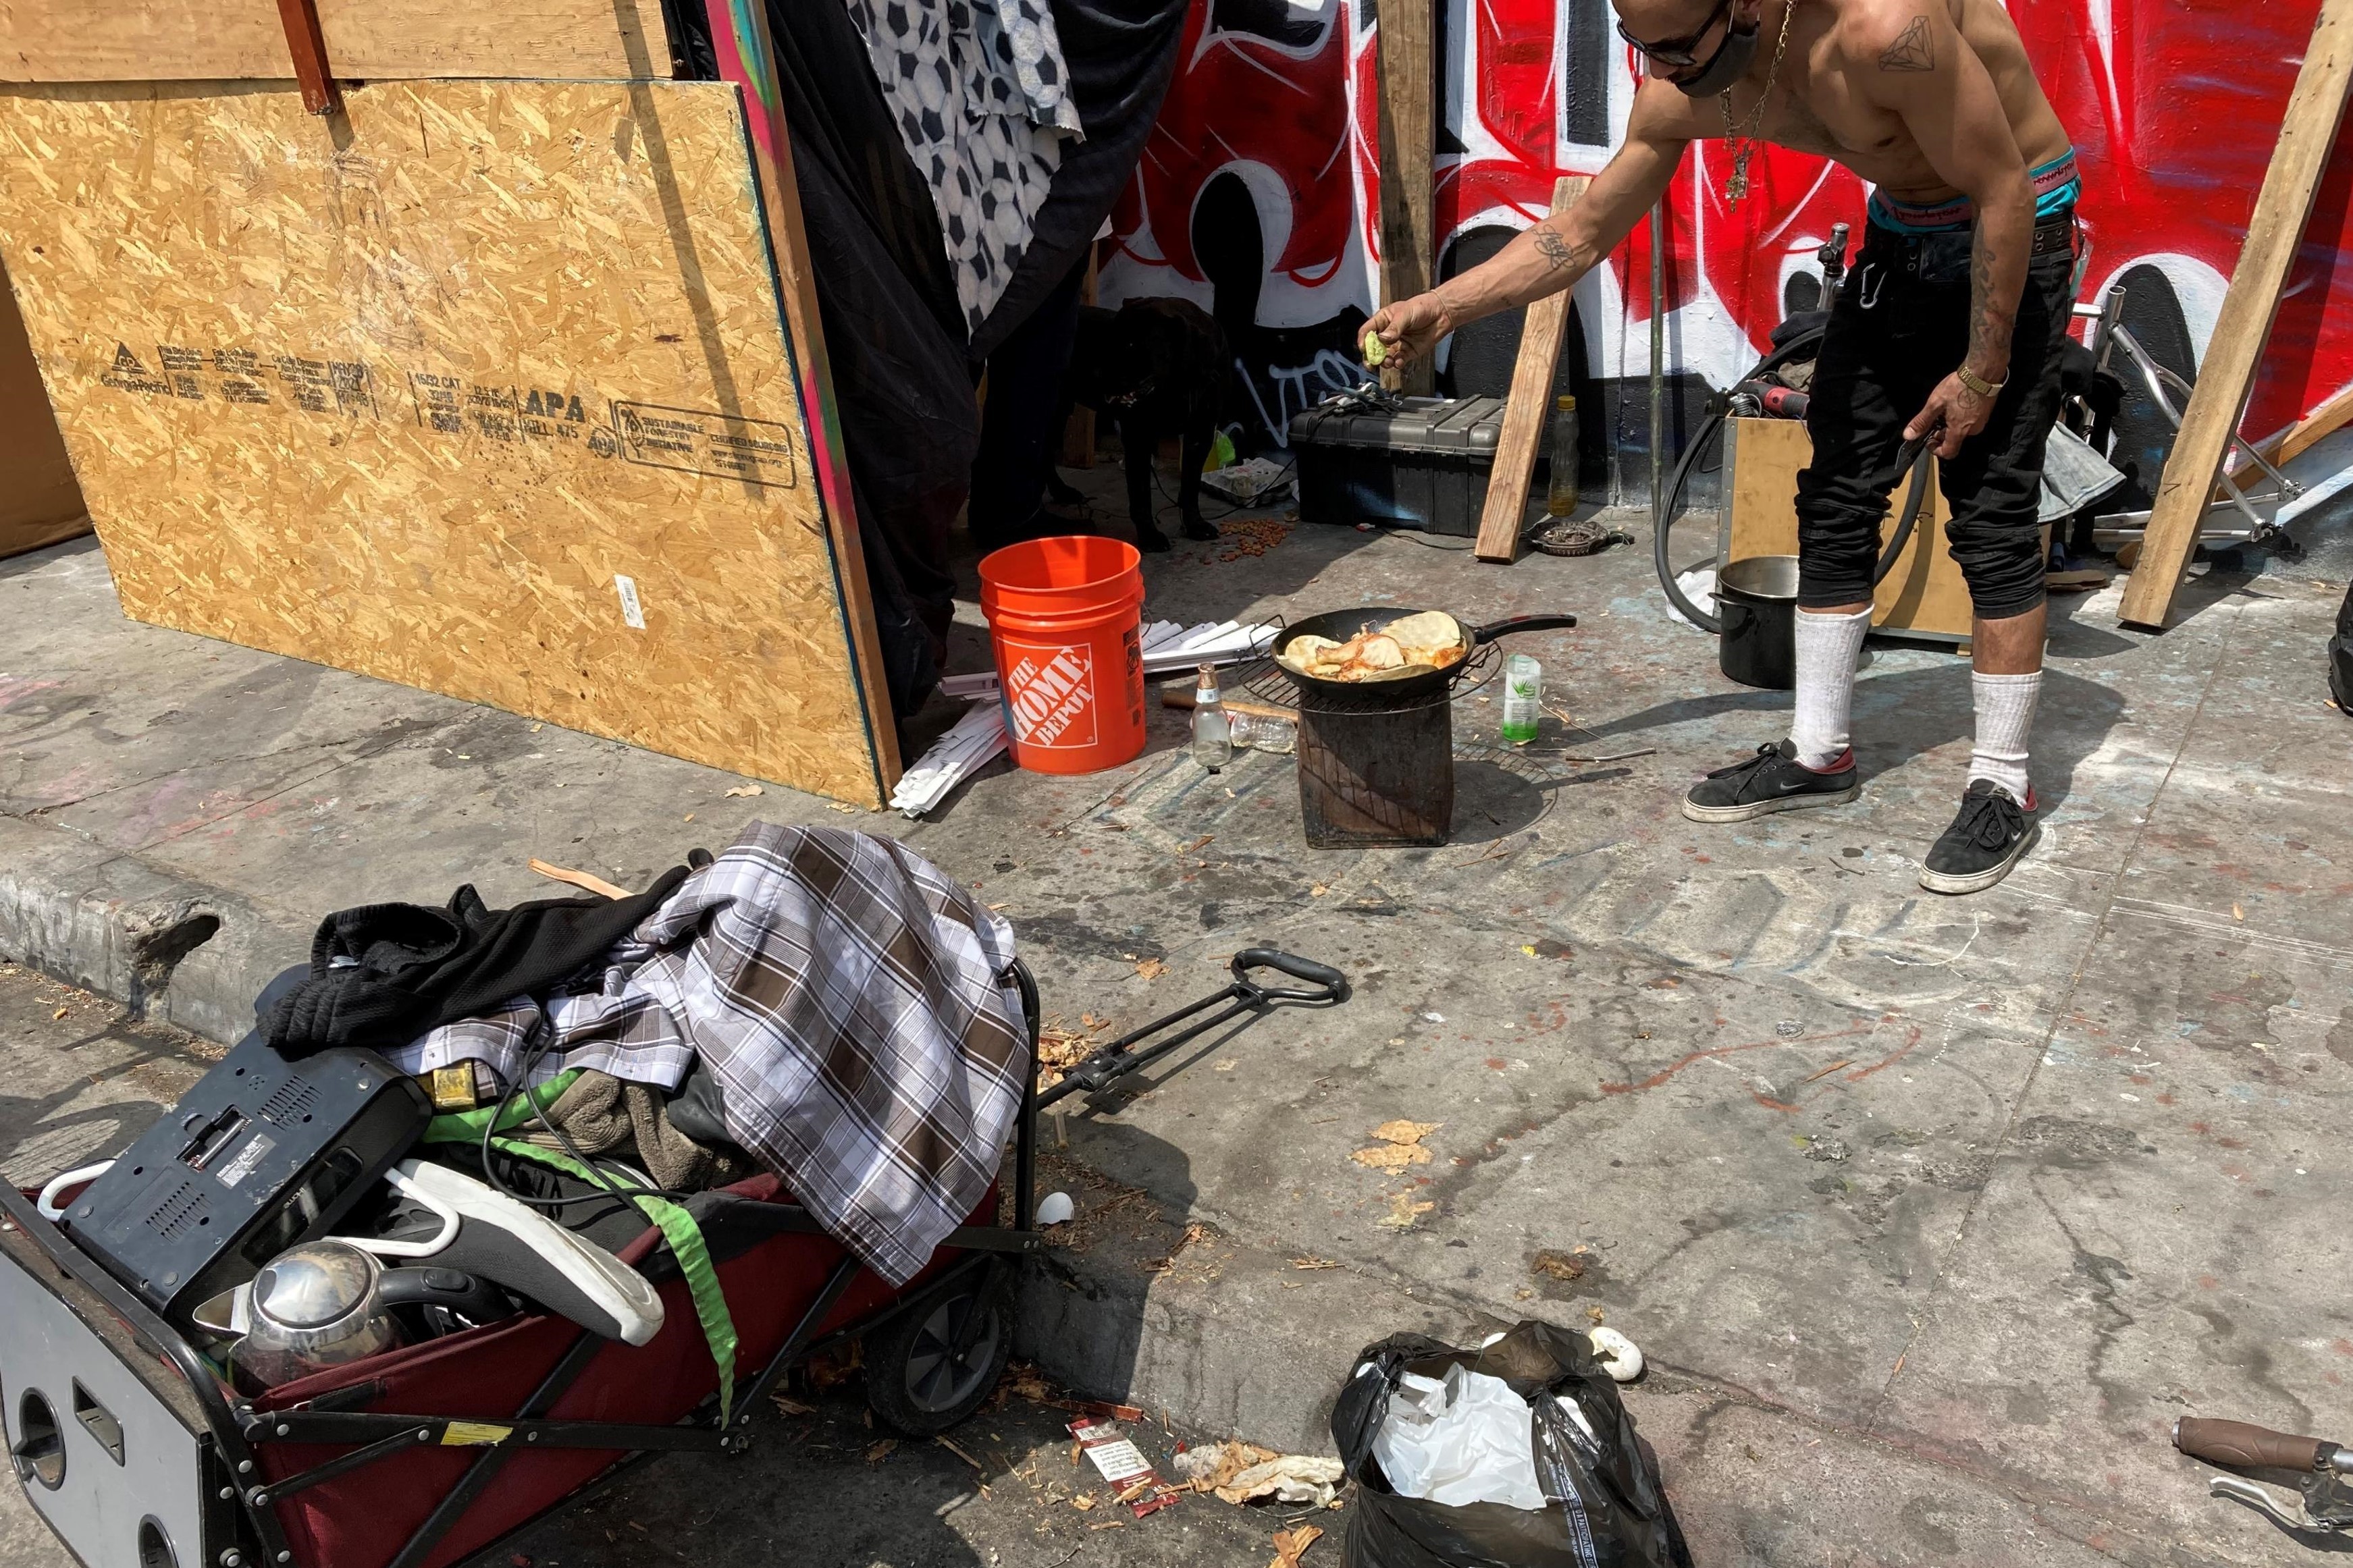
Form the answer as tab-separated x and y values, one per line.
1724	66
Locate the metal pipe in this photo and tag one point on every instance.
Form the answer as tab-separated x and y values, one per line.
1658	365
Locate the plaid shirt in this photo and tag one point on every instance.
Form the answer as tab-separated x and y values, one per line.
853	1002
619	1027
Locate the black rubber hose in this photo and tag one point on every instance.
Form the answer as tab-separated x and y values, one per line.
1915	461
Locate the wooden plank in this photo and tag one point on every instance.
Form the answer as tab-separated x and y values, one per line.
2314	428
747	58
1527	407
1408	148
2245	322
479	387
373	40
39	502
1925	596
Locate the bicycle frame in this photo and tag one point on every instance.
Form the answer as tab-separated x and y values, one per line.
2259	510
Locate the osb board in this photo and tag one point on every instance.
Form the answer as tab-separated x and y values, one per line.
39	502
411	405
374	40
1924	596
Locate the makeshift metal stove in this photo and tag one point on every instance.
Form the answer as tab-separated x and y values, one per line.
1374	770
1376	757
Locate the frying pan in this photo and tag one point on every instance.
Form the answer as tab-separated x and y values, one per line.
1341	624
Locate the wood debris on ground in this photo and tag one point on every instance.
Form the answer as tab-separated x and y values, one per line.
745	791
1399	1146
1060	1048
880	1451
1151	968
1313	1262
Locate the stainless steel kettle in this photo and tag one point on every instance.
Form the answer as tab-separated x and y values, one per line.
314	1307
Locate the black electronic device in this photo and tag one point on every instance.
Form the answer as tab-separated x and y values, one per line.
261	1154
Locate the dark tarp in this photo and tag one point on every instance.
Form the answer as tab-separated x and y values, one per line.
903	368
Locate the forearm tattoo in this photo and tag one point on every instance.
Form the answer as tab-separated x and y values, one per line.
1913	48
1991	325
1556	251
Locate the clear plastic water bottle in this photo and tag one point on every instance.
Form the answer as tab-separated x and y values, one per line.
1560	456
1522	688
1213	734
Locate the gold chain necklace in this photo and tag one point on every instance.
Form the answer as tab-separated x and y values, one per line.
1744	147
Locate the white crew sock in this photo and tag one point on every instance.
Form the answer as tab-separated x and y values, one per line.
1827	647
2005	705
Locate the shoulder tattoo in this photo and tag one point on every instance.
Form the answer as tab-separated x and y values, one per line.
1913	50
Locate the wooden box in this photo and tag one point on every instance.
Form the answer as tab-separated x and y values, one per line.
1924	596
509	389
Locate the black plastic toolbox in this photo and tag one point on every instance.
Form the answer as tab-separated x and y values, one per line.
1418	462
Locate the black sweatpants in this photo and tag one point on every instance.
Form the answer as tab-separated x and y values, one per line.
1900	325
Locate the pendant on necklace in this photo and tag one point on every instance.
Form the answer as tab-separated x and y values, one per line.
1737	185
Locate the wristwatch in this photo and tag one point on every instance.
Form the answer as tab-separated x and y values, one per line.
1978	383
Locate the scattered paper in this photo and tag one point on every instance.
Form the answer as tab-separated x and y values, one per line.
745	790
1287	1478
1290	1544
1132	1478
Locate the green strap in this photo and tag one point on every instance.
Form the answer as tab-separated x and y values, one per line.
677	1225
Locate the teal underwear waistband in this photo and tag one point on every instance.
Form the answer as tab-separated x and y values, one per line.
2057	187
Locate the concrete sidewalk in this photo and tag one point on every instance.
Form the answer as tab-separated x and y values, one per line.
1930	1213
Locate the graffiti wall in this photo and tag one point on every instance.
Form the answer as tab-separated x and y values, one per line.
1257	196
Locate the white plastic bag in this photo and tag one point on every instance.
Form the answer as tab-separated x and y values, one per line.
1466	1440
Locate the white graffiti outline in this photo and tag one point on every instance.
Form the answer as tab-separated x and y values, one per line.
1333	372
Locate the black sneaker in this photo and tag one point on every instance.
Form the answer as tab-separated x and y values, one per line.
1984	841
1772	780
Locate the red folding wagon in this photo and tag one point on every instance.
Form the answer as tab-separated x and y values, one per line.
137	1455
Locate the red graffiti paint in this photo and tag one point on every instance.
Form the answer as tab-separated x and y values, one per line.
2174	106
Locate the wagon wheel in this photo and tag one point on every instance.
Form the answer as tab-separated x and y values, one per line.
932	1364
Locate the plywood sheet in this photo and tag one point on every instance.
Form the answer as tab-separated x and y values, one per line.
455	396
39	502
1925	596
376	40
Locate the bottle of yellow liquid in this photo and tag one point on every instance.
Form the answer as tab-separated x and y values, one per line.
1560	456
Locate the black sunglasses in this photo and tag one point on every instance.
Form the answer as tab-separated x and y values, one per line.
1677	51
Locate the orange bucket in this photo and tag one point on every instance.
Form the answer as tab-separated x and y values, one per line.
1065	615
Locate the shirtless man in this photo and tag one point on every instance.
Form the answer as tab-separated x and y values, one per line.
1949	327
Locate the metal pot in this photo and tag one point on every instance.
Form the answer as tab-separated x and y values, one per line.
1757	603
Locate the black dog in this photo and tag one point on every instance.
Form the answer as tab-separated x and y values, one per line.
1160	368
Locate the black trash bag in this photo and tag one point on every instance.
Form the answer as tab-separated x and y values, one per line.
1608	1508
2340	656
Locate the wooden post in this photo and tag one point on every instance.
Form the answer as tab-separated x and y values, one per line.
1527	407
2245	322
308	45
1079	434
1408	148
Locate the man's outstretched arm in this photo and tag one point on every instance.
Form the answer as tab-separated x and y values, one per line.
1553	255
1928	74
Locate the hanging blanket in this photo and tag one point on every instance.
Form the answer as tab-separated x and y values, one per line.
982	99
